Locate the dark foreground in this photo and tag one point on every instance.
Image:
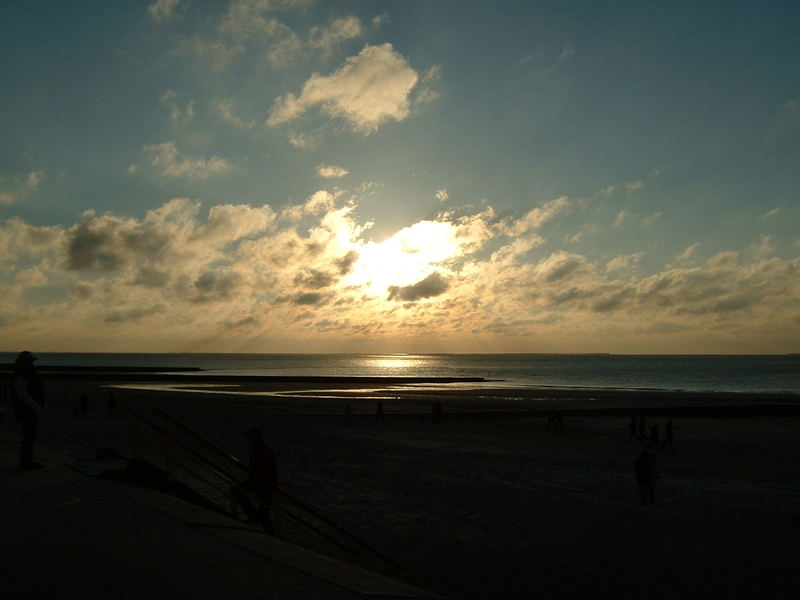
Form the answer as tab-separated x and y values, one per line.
489	504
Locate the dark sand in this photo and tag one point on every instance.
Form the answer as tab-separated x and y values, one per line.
489	504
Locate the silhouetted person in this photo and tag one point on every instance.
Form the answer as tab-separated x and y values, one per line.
27	394
642	429
112	404
633	427
653	436
262	482
84	404
669	435
379	412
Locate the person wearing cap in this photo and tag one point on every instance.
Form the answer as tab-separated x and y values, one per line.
27	394
262	481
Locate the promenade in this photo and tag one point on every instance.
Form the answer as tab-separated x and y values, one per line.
68	535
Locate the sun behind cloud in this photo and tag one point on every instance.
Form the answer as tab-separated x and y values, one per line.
409	256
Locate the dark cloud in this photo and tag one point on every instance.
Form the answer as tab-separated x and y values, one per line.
151	277
433	285
81	291
120	316
311	298
89	250
313	279
217	285
345	264
245	323
562	267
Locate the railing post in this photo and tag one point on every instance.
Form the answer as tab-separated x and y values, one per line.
169	454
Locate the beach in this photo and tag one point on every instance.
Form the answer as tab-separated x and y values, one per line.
490	504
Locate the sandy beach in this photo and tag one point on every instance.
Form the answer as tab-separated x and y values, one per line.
490	504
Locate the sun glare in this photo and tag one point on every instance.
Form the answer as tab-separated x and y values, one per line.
407	257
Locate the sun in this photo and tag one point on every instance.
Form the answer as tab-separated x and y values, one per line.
409	256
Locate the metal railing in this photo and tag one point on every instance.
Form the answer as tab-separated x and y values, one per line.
178	451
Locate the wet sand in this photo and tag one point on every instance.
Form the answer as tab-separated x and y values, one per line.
490	504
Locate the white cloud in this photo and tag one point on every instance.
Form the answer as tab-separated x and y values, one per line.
218	55
163	10
634	186
302	140
178	114
772	213
225	110
331	171
247	18
442	195
623	261
169	162
340	30
20	187
366	91
763	247
621	217
536	217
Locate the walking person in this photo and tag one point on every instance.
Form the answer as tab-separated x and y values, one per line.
27	394
262	482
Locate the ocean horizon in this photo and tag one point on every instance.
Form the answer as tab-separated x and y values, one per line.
770	373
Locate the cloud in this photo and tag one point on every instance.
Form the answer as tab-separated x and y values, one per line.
623	261
236	277
255	23
442	195
433	285
20	187
248	18
621	217
367	91
652	218
133	314
177	114
634	186
163	10
772	213
331	171
339	30
225	110
536	217
169	162
567	53
763	247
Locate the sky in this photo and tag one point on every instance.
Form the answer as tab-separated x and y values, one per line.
400	176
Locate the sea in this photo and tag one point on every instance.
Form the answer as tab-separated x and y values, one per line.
705	373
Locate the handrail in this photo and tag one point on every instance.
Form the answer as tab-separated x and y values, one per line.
208	443
220	471
207	463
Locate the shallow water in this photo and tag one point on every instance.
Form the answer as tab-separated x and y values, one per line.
731	373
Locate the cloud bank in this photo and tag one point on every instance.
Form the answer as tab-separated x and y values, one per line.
237	277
